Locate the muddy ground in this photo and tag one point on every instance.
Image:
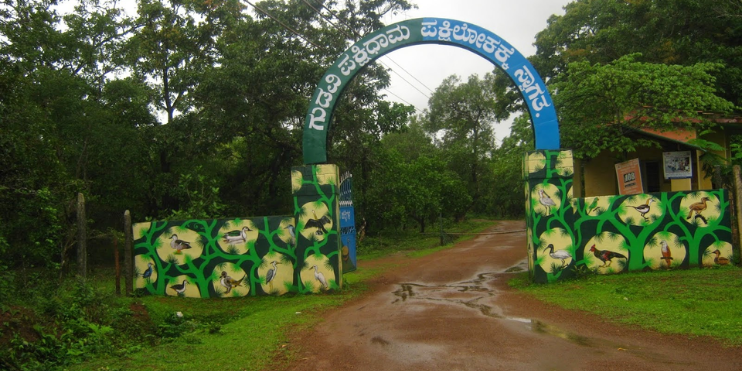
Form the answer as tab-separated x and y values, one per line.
453	310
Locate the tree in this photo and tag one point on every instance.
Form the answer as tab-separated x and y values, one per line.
600	104
462	115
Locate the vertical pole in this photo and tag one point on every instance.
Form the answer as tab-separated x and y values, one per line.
81	237
738	203
440	222
127	254
118	266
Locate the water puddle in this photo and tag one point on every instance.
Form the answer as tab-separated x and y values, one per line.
476	294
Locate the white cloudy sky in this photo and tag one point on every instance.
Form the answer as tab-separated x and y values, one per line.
517	22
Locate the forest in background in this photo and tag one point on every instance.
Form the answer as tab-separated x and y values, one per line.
194	109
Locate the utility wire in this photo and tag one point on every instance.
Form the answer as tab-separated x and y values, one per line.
358	36
339	29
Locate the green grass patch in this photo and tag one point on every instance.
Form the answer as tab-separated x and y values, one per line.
696	302
416	244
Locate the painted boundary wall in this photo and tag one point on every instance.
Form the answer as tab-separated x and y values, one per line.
237	257
612	234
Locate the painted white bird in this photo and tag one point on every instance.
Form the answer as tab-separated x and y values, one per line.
180	288
271	274
545	200
320	277
236	236
559	254
178	245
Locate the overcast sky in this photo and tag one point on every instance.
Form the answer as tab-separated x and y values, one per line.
517	22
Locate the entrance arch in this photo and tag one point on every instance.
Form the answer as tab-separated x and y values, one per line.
428	31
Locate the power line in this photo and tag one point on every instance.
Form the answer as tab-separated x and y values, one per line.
357	35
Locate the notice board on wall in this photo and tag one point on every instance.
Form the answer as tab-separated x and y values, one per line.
677	165
629	177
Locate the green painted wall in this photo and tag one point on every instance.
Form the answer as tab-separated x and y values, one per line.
613	234
269	255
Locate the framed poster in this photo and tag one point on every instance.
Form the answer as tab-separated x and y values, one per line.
629	176
677	165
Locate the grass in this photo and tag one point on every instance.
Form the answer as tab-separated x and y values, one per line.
695	302
252	333
416	244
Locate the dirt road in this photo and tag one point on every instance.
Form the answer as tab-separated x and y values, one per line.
453	310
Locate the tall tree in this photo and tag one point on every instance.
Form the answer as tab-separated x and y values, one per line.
462	115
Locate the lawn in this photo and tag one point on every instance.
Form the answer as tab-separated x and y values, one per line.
695	302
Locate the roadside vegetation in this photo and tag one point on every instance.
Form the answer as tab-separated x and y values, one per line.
83	325
694	302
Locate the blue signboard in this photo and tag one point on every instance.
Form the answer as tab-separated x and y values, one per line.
347	224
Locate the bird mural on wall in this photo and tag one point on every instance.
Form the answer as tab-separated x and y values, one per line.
292	234
720	260
644	208
148	272
236	236
666	253
229	282
179	245
593	206
697	208
562	255
318	223
606	256
271	274
179	288
320	277
545	200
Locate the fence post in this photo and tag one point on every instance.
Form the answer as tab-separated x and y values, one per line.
81	236
127	254
738	203
118	266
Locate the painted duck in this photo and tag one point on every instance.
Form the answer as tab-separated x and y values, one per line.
179	245
236	236
179	288
720	260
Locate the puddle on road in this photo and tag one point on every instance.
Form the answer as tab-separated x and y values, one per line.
470	294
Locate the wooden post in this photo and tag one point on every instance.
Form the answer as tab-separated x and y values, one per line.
128	268
81	237
738	199
118	266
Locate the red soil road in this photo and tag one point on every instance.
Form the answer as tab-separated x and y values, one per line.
453	310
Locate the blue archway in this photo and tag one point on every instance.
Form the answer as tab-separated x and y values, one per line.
428	31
